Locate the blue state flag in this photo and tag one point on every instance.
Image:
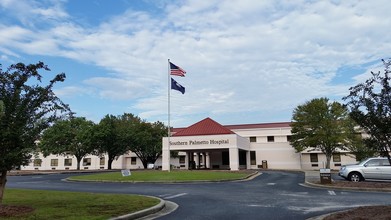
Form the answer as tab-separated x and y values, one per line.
175	85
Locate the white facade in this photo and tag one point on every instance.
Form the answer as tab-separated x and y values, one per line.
245	147
210	148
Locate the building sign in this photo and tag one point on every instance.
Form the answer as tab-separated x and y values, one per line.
201	142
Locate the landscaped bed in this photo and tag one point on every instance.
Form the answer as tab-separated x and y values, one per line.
363	213
37	204
366	212
361	185
165	176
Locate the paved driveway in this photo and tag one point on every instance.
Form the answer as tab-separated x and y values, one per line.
272	195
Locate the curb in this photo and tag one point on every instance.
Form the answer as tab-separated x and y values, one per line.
144	212
248	177
56	172
360	189
321	217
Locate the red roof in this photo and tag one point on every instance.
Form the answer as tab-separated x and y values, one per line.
203	127
239	126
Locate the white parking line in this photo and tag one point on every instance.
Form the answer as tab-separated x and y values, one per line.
174	196
271	184
332	193
163	195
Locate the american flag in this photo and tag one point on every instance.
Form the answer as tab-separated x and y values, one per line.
176	70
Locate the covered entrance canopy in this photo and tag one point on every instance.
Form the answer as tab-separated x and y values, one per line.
209	145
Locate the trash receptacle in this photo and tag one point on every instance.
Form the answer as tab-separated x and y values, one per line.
264	164
325	176
192	165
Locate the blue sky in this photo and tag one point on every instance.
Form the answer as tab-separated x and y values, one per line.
247	61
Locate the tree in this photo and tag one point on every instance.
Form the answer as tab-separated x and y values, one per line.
370	106
110	137
116	135
27	109
72	136
321	125
147	143
1	108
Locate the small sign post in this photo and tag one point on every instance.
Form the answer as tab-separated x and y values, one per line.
325	176
126	173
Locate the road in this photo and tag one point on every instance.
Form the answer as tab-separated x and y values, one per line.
272	195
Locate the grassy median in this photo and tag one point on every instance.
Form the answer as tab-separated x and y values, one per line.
72	205
165	176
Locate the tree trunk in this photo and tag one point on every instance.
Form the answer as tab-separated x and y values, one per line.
3	181
109	163
328	159
145	164
78	163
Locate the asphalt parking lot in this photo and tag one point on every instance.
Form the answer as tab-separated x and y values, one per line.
272	195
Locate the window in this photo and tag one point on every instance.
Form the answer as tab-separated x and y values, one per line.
253	160
253	139
386	162
182	159
133	160
87	162
37	162
102	161
289	138
68	162
337	157
270	138
225	157
314	158
54	162
374	163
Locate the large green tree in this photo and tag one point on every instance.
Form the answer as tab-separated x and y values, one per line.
112	136
370	106
1	108
147	141
322	125
116	135
27	109
72	136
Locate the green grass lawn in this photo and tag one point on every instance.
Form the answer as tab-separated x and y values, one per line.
72	205
165	176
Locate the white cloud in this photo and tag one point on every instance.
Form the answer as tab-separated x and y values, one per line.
118	89
72	91
33	12
241	56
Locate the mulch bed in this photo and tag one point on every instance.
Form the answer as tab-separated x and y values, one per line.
14	210
366	212
363	213
364	184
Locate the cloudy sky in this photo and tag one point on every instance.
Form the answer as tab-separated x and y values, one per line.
247	61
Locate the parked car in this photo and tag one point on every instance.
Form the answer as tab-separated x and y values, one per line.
371	168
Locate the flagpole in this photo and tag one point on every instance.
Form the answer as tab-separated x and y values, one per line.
169	128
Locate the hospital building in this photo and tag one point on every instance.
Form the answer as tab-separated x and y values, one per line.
210	145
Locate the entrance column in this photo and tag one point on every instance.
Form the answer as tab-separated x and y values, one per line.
234	158
208	160
191	160
165	159
204	157
187	159
198	160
